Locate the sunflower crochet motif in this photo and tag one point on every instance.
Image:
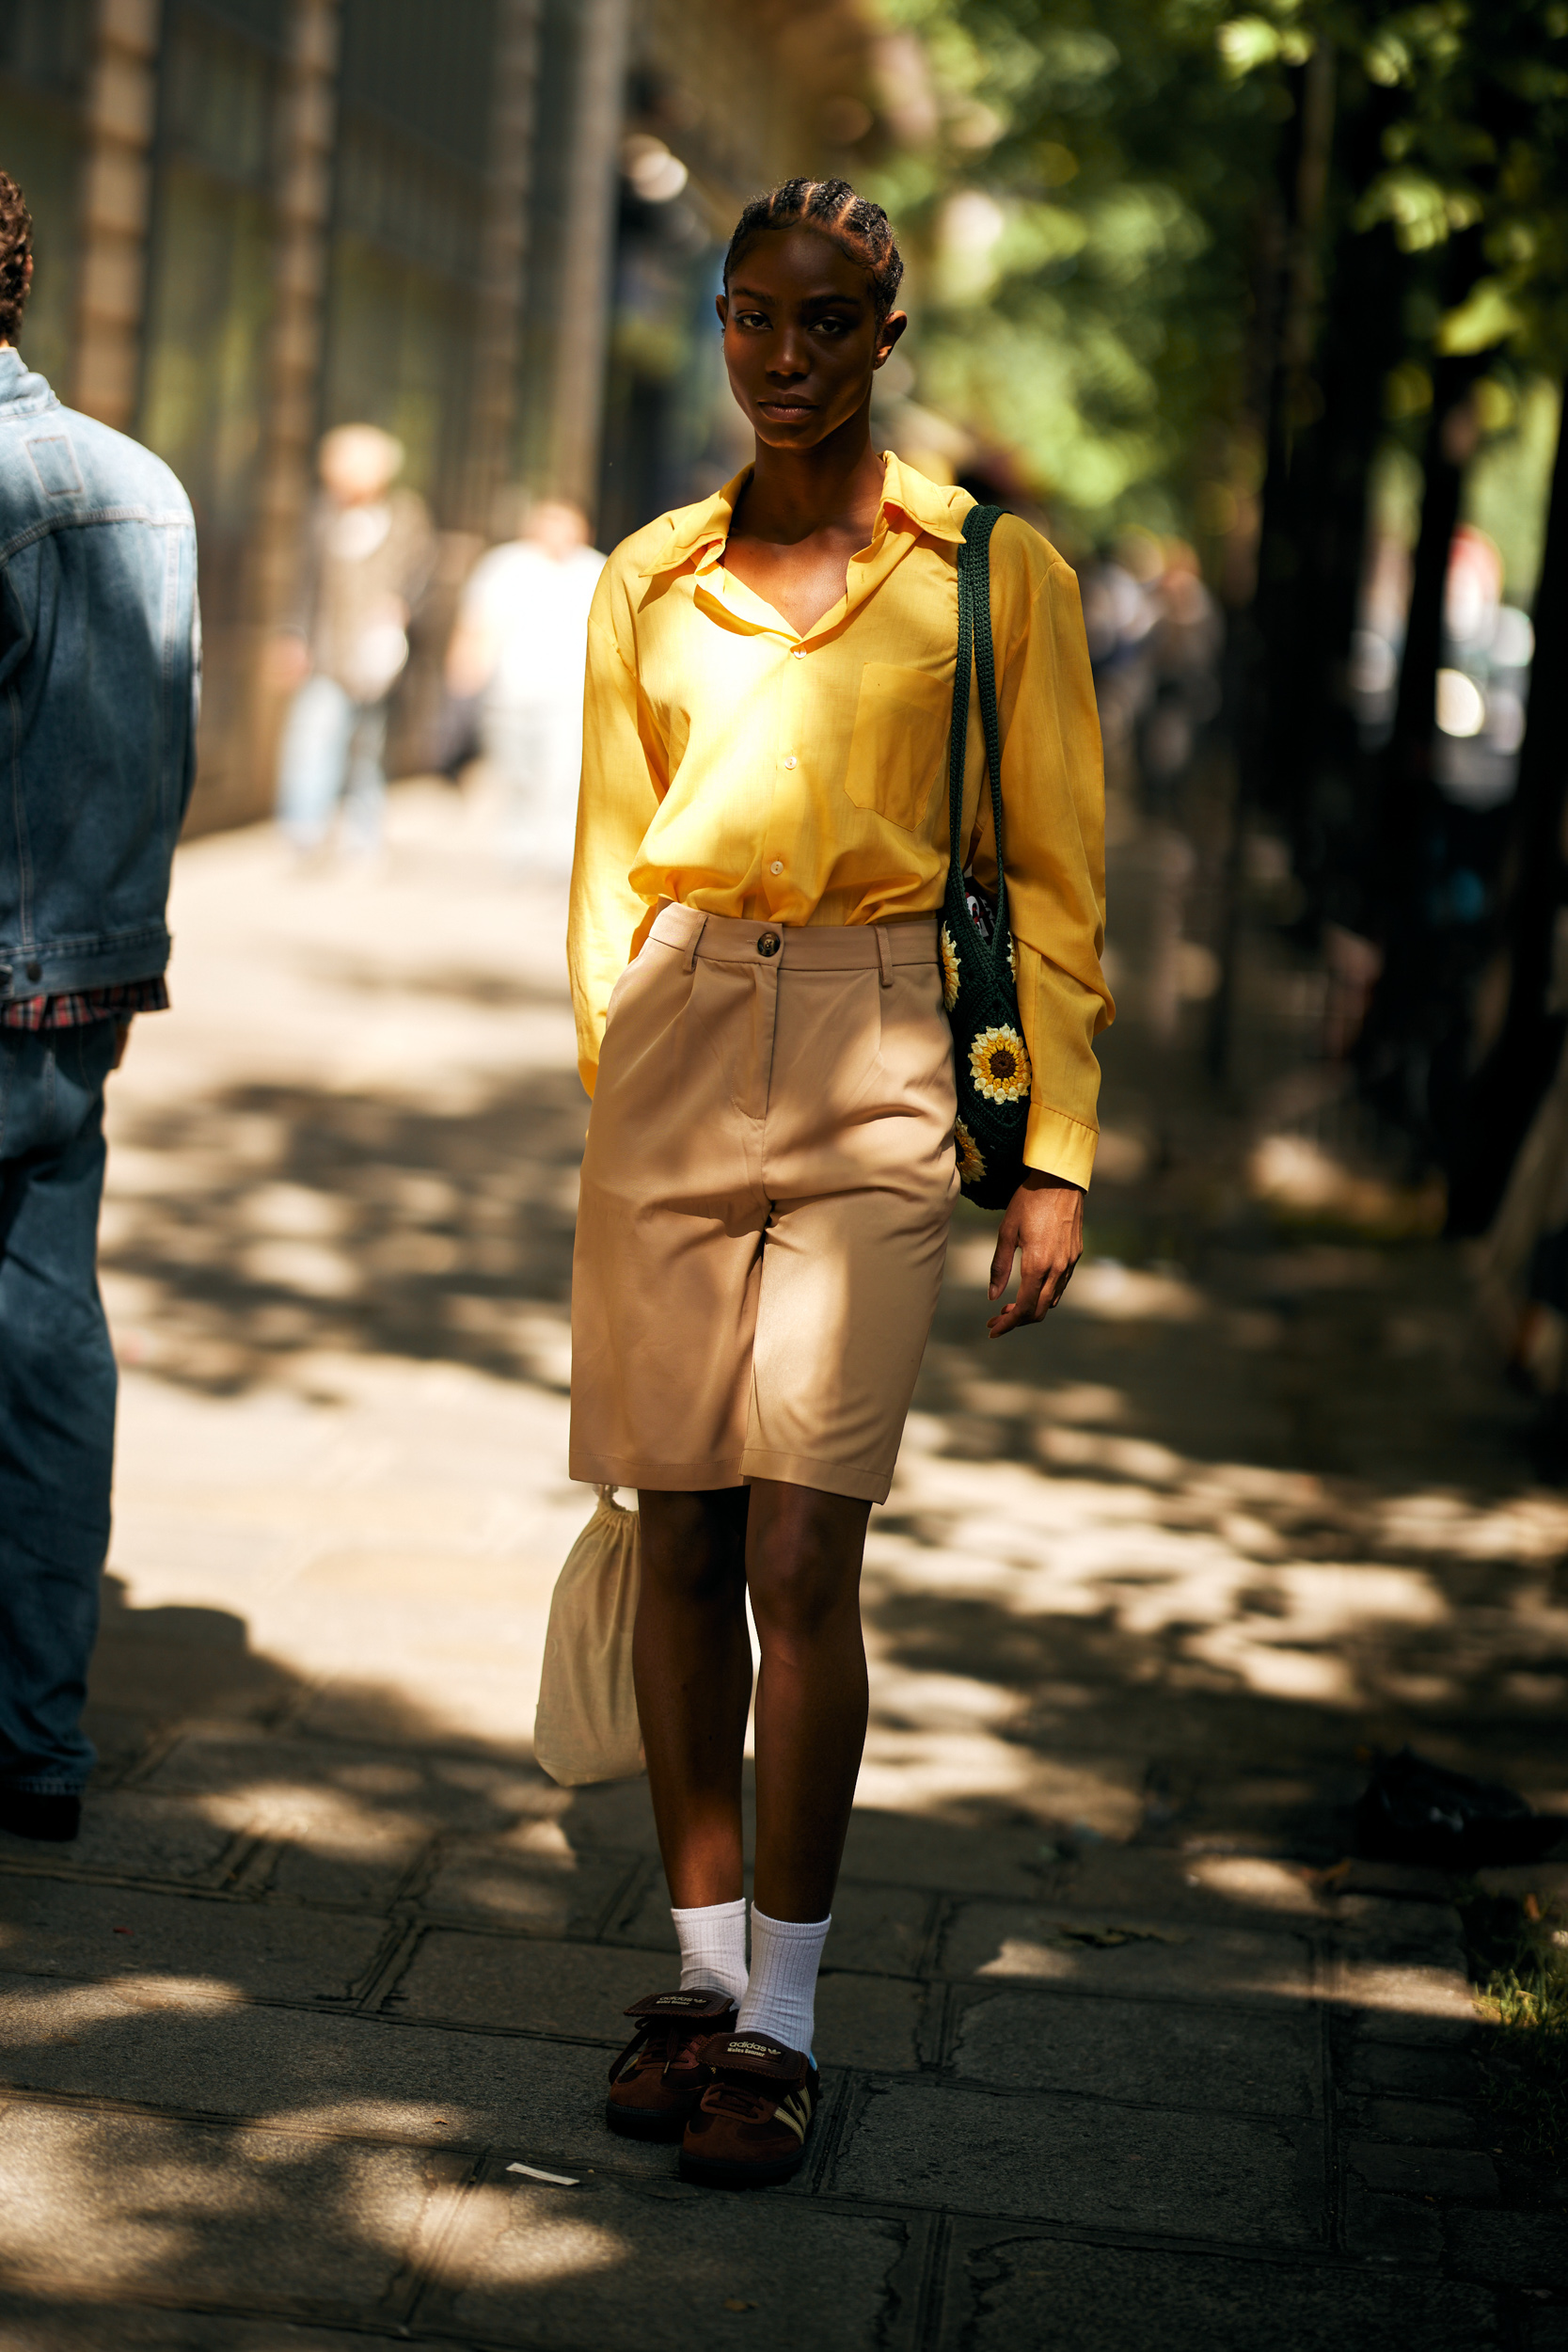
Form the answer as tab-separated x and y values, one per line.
949	971
972	1164
999	1065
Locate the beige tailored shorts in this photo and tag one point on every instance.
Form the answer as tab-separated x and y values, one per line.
766	1195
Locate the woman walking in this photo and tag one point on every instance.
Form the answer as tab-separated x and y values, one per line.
769	1171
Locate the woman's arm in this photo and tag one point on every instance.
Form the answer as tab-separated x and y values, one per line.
615	808
1054	825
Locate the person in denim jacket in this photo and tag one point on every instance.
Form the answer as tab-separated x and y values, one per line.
100	676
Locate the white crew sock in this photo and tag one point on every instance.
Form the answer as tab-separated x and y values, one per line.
781	1992
713	1947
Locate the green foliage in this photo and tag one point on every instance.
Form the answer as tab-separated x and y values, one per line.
1086	226
1520	1966
1107	193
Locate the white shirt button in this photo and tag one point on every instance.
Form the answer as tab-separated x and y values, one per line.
789	759
777	867
799	651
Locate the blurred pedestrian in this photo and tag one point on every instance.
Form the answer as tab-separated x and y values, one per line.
773	1151
1186	646
368	556
519	645
99	658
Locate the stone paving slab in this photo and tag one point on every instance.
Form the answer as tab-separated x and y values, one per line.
59	2324
1392	2229
131	1835
882	2023
1111	1881
1252	2063
1418	2172
531	2264
160	2045
365	1874
1017	2293
1423	2120
1420	2072
984	1856
290	1781
573	1989
273	1950
549	1894
1527	2250
581	1990
1045	2157
278	2221
1115	1953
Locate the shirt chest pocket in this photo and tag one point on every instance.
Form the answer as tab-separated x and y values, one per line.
898	752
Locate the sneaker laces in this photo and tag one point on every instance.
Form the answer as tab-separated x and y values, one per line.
669	2041
731	2098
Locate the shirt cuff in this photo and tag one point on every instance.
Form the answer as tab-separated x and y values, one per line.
1059	1146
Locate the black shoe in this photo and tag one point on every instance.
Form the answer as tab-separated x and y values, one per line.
25	1814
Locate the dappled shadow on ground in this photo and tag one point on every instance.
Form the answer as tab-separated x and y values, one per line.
284	2016
1247	1506
1247	1503
272	1222
332	1953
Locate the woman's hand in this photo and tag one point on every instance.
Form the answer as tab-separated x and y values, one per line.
1044	1222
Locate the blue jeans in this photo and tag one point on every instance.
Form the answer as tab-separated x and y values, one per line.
331	754
57	1399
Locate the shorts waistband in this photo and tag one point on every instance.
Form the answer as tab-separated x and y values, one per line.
801	947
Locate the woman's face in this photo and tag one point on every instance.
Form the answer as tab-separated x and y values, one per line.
801	339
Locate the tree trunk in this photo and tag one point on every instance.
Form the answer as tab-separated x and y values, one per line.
1503	1097
1257	670
1409	1012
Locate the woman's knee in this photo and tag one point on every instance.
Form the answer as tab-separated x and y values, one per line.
695	1543
804	1563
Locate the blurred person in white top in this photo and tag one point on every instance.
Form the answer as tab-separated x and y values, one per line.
521	644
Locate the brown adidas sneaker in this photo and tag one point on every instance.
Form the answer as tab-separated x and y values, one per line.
658	2078
750	2126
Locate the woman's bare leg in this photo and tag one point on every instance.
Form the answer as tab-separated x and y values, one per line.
693	1665
803	1551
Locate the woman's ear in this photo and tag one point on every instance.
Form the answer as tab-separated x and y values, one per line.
722	304
888	334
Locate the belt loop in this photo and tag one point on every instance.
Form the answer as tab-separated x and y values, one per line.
884	956
696	942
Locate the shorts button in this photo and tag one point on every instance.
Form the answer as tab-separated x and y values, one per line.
769	944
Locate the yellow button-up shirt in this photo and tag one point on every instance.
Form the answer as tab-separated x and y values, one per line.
746	769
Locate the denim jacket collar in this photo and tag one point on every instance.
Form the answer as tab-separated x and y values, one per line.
22	393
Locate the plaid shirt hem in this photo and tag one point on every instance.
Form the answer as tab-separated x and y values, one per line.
82	1006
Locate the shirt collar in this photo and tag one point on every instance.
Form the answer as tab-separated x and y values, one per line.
936	511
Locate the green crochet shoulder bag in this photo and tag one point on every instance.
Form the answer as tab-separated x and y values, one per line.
979	984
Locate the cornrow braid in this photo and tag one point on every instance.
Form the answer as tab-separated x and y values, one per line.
16	251
861	228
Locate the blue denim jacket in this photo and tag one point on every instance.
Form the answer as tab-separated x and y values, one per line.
99	670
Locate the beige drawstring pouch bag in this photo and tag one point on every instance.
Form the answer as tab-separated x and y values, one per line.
585	1727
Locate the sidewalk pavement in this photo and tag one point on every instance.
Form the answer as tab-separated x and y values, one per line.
1115	2050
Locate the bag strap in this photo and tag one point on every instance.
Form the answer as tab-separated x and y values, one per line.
977	651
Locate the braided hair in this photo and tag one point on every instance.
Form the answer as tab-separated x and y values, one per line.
16	251
858	227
